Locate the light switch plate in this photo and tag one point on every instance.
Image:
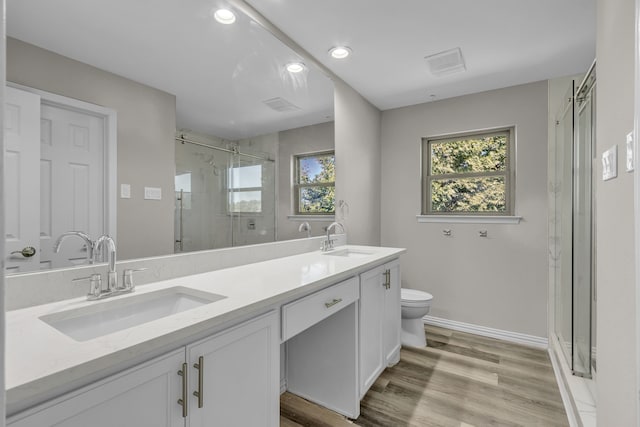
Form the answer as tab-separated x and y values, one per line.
152	193
630	150
610	163
125	191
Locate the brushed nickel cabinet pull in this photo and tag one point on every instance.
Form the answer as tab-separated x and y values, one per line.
332	303
387	279
183	402
200	367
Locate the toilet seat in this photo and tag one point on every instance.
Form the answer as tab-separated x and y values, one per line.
414	297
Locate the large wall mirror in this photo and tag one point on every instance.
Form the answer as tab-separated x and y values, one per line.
206	119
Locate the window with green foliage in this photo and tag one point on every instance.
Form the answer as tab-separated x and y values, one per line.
468	174
314	185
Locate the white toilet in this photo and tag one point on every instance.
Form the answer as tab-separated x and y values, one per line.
415	304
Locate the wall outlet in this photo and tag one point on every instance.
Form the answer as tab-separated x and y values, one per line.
152	193
125	191
610	163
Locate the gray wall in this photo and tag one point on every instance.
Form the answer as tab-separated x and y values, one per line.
307	139
358	164
616	258
146	128
499	281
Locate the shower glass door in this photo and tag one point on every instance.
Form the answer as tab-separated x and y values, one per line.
223	198
201	218
572	243
251	200
583	208
562	252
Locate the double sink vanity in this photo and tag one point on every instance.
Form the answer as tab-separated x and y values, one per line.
214	348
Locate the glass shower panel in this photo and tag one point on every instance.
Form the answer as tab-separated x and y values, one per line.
583	230
251	199
201	220
562	248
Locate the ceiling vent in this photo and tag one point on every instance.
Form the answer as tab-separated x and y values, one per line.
281	105
447	62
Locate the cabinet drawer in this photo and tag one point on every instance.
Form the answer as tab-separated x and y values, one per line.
305	312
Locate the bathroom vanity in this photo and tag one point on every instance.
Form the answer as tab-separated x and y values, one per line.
216	357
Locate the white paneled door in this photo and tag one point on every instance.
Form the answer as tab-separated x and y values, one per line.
22	180
71	182
54	181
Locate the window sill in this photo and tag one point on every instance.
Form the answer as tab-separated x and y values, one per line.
312	218
469	219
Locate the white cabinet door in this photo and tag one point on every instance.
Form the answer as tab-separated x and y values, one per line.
143	396
379	321
240	384
392	315
372	293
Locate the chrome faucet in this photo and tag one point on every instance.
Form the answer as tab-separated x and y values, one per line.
87	240
96	291
305	227
112	276
328	243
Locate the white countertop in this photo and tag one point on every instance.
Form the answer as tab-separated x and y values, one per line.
42	362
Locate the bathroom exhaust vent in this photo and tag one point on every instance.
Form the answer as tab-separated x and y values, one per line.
447	62
281	105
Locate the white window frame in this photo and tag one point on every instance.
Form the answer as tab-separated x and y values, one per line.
508	173
297	186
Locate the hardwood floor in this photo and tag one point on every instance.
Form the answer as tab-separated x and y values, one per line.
460	380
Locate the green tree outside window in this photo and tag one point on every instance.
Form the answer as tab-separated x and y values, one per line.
468	174
314	187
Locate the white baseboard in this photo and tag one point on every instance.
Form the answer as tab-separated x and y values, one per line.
515	337
283	385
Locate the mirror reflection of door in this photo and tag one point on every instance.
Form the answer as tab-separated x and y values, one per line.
22	155
54	181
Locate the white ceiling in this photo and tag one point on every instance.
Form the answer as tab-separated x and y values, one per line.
504	42
222	74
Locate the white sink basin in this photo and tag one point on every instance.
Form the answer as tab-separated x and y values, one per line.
350	253
109	316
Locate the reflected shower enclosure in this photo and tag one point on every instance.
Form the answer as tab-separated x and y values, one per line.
224	196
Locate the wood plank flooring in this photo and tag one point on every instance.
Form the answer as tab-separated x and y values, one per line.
460	380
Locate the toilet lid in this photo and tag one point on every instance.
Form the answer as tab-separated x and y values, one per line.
410	295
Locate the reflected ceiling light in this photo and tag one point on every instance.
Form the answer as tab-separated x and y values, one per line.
295	67
340	52
224	16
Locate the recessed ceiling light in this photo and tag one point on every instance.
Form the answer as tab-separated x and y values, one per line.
340	52
224	16
295	67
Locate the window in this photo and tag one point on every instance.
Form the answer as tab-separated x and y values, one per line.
245	189
468	174
314	184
